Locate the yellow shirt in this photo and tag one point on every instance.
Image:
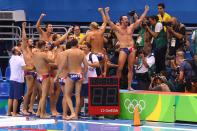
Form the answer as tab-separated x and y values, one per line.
79	37
166	17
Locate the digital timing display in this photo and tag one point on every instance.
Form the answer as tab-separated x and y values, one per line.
103	95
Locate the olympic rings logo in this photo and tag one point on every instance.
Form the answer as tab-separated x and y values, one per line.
131	105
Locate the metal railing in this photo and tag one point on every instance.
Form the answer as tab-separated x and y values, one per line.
33	34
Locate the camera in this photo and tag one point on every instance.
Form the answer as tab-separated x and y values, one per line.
146	23
167	23
131	13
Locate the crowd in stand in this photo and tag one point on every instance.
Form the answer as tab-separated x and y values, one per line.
53	64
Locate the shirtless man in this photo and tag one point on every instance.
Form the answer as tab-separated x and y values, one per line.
44	35
41	63
124	35
96	37
73	59
30	76
61	81
55	90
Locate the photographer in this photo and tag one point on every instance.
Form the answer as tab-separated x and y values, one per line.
186	72
144	61
159	42
176	36
144	38
159	83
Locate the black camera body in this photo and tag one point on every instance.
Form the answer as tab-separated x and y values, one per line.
146	23
167	23
131	13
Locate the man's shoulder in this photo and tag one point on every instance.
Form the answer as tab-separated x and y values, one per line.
167	15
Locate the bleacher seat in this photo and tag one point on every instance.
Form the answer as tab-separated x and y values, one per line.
4	88
7	73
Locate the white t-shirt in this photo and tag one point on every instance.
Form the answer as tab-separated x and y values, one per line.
158	27
16	71
193	35
150	59
91	70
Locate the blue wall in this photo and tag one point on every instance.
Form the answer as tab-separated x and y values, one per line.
86	10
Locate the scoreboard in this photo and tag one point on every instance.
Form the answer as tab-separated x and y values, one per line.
103	96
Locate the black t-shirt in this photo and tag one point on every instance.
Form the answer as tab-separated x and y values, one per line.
180	28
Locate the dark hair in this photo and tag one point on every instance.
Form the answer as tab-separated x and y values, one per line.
69	34
162	5
73	42
47	24
88	45
54	37
121	17
19	43
68	45
154	17
40	44
13	50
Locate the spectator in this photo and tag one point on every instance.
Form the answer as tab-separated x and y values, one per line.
177	36
17	64
194	41
163	16
77	33
159	42
93	63
185	72
145	60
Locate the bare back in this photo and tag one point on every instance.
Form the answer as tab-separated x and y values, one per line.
58	60
124	36
41	62
75	58
96	38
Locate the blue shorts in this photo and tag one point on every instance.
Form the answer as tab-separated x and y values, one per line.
84	90
16	90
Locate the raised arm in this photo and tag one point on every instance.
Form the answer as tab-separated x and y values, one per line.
137	22
103	27
39	29
111	24
133	18
24	37
62	38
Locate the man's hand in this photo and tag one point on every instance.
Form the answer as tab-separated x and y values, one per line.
42	15
100	10
107	10
24	25
146	8
70	29
169	29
